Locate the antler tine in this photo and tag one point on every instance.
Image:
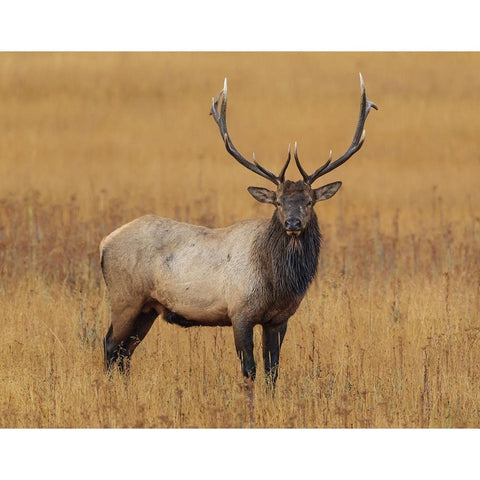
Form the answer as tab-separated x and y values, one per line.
299	166
221	120
263	169
281	175
358	137
319	171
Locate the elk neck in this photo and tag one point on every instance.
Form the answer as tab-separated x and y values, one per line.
288	264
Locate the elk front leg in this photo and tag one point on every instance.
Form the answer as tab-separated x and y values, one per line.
272	342
243	334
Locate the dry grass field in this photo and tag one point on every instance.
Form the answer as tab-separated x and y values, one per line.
389	333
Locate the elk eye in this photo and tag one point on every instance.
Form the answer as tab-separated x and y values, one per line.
277	203
309	204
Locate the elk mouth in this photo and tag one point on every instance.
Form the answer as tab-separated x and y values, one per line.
294	233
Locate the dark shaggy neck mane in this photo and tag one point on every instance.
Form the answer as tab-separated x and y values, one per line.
288	264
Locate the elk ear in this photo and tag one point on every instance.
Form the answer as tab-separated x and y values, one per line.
263	195
325	192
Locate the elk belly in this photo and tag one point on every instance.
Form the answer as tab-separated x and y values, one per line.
193	300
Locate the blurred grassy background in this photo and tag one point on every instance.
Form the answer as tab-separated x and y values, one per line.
386	336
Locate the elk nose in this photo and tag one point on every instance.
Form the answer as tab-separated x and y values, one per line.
293	223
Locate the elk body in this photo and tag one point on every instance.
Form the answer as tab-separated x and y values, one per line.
252	272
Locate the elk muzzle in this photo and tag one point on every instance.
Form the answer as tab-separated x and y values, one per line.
293	226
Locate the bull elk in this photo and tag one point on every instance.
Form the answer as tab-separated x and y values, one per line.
252	272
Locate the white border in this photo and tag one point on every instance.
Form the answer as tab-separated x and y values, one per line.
232	26
240	454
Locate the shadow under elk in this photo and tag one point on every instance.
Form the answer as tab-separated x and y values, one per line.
253	272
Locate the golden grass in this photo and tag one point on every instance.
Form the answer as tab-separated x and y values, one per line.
388	334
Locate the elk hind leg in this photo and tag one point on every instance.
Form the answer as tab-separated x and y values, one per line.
119	346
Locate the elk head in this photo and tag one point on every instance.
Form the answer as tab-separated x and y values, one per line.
293	201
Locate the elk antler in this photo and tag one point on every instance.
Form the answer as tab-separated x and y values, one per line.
220	118
357	142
